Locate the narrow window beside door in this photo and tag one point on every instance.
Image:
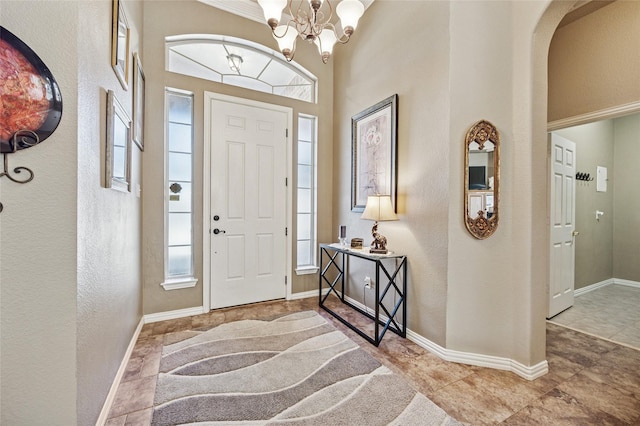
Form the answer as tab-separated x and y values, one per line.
306	192
178	190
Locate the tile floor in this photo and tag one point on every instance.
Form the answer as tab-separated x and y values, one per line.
611	312
590	381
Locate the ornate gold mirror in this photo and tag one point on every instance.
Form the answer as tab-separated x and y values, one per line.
482	179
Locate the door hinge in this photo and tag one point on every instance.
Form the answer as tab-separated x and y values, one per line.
286	133
286	232
286	181
285	280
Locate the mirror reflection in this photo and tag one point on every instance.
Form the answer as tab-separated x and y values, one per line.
481	179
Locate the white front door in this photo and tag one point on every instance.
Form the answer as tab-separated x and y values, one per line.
562	220
248	201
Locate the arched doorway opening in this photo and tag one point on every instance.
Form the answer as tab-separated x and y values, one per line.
543	34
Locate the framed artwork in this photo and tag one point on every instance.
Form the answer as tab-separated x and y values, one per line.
138	102
33	106
373	152
120	44
118	153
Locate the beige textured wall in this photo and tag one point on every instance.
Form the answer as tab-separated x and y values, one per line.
372	67
594	246
109	300
626	244
468	295
38	246
580	81
198	18
70	248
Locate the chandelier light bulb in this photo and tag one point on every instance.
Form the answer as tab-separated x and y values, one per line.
272	10
325	42
349	12
286	38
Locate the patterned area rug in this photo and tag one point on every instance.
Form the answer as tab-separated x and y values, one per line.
297	369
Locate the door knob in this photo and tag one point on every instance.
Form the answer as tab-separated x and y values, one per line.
217	231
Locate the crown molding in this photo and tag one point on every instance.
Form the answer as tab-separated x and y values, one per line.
590	117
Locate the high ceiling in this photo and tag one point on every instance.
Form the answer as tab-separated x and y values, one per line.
583	8
250	9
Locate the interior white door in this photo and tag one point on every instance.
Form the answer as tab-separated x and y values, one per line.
248	203
563	202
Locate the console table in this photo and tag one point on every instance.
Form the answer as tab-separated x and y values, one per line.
335	259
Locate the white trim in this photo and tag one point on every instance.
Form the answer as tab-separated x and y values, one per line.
589	288
178	313
603	114
498	363
610	281
303	295
628	283
178	283
206	188
307	270
111	396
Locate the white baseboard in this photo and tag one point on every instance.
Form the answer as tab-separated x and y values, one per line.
499	363
111	396
618	281
303	295
179	313
589	288
628	283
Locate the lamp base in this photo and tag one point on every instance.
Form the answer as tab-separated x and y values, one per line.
379	251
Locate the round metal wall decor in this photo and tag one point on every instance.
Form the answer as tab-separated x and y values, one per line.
30	99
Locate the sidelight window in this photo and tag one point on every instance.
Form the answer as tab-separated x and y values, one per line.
306	194
179	190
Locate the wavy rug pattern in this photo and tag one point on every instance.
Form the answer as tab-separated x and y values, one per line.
297	369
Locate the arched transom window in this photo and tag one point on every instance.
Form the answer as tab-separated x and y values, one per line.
238	62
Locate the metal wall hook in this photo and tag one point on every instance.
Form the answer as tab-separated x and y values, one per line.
16	170
26	138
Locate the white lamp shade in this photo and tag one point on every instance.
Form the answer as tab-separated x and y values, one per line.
325	41
272	9
379	208
349	12
286	37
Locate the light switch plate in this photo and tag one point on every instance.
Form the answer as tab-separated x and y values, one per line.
601	179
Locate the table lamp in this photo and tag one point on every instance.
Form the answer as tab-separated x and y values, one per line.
378	208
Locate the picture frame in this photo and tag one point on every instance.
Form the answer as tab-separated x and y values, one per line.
118	146
374	134
138	102
120	44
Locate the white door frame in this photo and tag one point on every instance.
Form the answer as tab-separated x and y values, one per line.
206	190
590	117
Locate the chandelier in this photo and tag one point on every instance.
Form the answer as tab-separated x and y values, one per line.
310	24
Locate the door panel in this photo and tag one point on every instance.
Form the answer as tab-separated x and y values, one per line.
562	260
248	192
